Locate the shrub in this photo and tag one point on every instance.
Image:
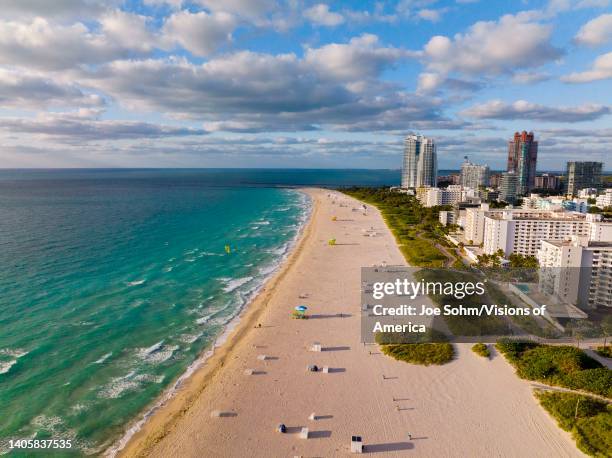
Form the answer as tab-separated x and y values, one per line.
420	353
564	366
588	419
481	349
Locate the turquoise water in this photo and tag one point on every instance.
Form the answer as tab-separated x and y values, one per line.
112	284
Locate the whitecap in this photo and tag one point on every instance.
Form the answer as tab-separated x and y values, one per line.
136	282
104	358
236	283
118	386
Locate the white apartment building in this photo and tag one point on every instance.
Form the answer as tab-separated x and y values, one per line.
605	199
431	197
474	224
577	271
521	231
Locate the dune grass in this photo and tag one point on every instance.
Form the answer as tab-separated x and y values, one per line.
417	229
589	420
561	365
482	350
420	353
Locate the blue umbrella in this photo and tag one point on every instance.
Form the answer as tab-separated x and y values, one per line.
301	308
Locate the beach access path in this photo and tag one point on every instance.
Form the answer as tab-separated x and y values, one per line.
470	407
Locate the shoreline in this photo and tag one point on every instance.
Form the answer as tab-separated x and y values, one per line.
156	422
359	385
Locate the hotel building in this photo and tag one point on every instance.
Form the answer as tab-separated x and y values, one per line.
577	271
522	159
474	175
580	175
521	231
420	166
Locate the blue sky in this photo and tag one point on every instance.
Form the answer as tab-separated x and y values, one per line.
266	83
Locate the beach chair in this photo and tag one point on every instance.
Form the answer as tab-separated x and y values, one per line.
249	372
356	444
316	346
304	433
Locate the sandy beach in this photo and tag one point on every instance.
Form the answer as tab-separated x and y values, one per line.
469	407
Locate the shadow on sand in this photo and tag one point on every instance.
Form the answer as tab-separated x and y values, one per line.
391	447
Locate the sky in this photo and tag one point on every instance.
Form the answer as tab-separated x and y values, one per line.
297	83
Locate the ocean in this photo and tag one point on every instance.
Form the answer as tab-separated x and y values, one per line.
114	283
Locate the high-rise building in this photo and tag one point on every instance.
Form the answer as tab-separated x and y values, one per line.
474	175
522	159
508	187
420	166
581	175
547	181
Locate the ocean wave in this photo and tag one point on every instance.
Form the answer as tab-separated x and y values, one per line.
12	356
104	358
136	282
168	269
231	285
261	223
157	353
118	386
6	366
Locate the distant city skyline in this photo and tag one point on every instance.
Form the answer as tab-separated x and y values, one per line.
310	84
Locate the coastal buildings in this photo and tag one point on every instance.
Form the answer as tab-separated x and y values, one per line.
474	175
431	197
547	181
577	271
604	200
508	187
536	201
521	231
420	166
582	174
522	159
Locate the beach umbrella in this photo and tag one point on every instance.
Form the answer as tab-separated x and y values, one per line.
301	308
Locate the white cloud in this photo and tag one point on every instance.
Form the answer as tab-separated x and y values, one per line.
363	57
46	45
432	15
79	127
492	47
429	82
35	91
321	15
521	109
55	8
255	11
596	32
199	33
529	77
602	69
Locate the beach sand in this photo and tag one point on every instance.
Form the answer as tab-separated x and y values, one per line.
469	407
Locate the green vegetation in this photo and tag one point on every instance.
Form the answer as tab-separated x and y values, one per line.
482	350
431	347
420	353
589	420
462	325
605	351
417	229
564	366
522	261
